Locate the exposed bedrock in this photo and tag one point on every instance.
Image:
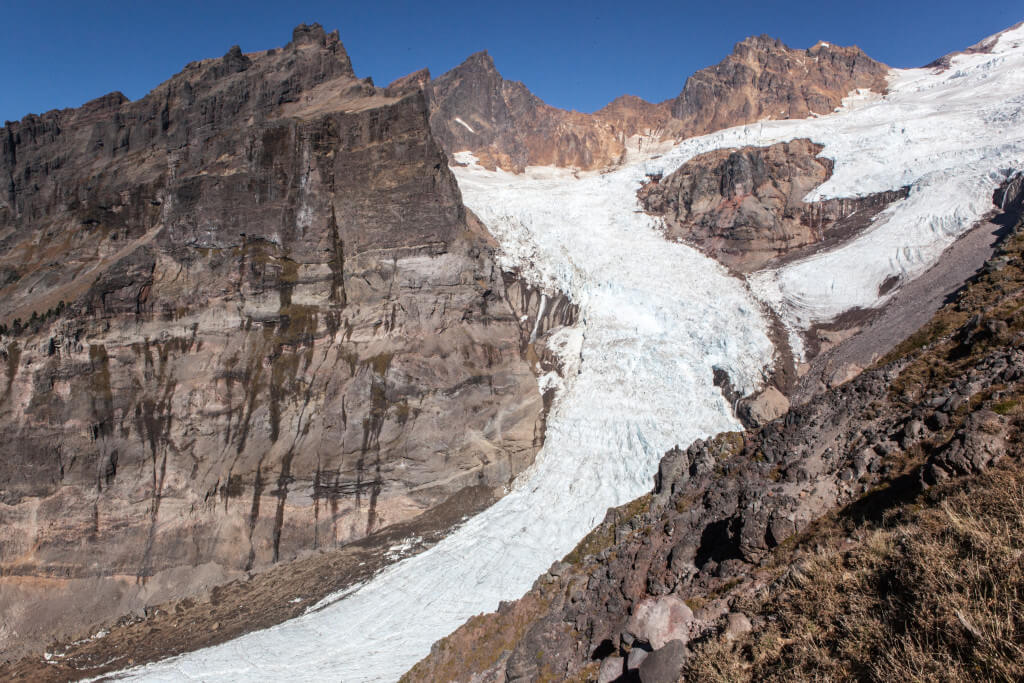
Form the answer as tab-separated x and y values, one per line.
473	108
765	79
745	207
244	318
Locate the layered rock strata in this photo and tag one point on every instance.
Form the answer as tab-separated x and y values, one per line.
243	318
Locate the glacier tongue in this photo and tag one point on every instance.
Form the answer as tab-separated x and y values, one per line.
655	319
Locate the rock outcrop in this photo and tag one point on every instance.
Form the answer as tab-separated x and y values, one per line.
765	79
474	109
505	125
745	207
243	318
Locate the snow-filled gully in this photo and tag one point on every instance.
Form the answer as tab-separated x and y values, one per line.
655	320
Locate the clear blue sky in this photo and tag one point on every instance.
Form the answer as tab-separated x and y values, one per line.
576	55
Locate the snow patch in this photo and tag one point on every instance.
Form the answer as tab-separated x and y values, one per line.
464	124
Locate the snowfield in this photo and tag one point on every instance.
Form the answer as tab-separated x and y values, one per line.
655	320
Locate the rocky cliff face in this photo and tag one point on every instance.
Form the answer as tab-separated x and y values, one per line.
763	78
243	318
473	108
745	207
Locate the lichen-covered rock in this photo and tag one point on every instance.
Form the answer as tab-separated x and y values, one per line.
980	443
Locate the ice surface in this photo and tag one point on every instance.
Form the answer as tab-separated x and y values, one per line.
952	136
655	319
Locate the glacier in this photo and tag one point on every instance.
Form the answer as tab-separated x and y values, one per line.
656	319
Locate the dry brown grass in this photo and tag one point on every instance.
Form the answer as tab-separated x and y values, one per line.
996	296
927	588
479	644
934	593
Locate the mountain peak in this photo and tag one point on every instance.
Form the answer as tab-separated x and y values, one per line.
309	34
760	42
764	78
478	61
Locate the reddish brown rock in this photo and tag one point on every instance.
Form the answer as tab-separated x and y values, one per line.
505	125
765	79
473	108
745	207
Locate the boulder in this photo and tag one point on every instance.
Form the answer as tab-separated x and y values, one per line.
665	664
765	407
611	669
737	624
657	621
636	657
843	374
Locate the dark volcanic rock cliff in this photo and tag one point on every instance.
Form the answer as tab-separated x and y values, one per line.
243	318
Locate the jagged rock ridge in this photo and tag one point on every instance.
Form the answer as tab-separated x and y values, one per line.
473	108
765	79
240	318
